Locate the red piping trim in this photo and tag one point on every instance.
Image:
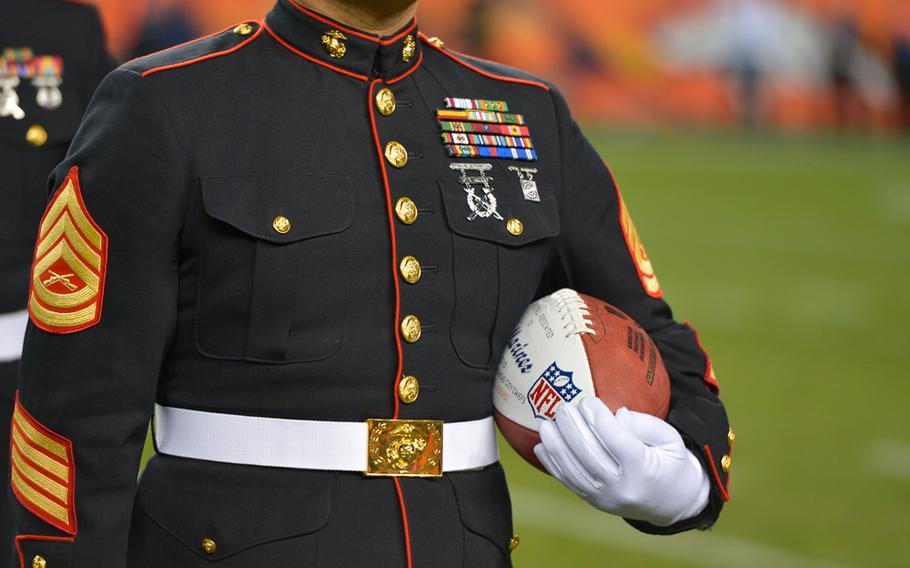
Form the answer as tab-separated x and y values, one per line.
354	32
72	527
207	56
21	537
404	520
388	197
73	175
723	489
310	58
447	53
710	377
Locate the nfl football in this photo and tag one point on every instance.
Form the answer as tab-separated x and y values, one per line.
568	345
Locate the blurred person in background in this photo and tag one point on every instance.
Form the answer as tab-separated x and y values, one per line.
289	229
844	56
52	56
751	32
166	25
901	64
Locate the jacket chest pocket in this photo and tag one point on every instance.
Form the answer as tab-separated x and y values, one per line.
498	256
273	272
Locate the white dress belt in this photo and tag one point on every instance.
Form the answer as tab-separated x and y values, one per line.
303	444
12	334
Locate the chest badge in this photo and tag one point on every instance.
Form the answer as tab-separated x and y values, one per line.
528	185
481	205
480	128
45	72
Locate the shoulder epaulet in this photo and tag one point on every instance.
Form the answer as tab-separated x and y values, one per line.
217	44
486	68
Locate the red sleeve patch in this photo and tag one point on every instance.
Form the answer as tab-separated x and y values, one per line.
70	264
637	250
42	471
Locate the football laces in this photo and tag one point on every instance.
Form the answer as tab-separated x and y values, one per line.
573	312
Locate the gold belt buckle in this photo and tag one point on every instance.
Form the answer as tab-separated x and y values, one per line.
404	448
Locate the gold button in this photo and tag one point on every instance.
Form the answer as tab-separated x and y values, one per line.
385	101
406	210
282	225
725	463
39	562
209	546
408	389
514	542
515	226
436	42
243	30
410	328
409	48
396	154
731	436
410	269
333	40
36	135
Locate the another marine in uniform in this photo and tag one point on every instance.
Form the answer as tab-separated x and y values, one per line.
303	246
52	57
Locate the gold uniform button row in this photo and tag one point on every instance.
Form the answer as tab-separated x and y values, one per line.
39	562
725	463
408	389
36	135
396	154
731	436
209	546
410	328
385	101
410	269
406	210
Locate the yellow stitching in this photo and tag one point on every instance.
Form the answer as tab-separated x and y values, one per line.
61	319
36	477
38	438
38	457
65	226
67	199
44	503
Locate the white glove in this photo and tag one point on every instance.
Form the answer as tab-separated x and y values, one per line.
631	464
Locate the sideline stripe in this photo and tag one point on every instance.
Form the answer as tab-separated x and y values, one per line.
578	520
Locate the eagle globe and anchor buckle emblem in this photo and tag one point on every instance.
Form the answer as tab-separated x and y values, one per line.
404	448
484	205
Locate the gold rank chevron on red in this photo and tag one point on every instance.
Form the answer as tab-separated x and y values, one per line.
42	471
70	264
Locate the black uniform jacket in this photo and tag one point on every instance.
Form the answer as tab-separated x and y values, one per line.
242	201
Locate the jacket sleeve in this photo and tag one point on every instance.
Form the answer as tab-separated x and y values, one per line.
599	253
102	307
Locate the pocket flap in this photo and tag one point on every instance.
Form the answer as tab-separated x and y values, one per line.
243	507
484	504
539	219
314	205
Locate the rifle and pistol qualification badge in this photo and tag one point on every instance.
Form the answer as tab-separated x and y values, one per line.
44	71
70	264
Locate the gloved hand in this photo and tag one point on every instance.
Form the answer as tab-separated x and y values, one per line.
631	464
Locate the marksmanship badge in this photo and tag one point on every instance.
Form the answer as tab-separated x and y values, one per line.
528	185
484	205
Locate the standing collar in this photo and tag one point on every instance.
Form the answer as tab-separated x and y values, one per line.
344	49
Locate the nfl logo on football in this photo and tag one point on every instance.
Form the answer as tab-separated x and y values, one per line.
553	388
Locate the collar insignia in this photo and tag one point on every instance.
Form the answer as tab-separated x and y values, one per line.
333	40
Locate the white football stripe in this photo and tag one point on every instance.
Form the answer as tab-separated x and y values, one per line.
572	518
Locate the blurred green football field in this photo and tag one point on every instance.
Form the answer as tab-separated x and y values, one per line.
791	256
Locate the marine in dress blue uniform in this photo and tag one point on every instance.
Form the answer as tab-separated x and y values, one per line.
277	237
